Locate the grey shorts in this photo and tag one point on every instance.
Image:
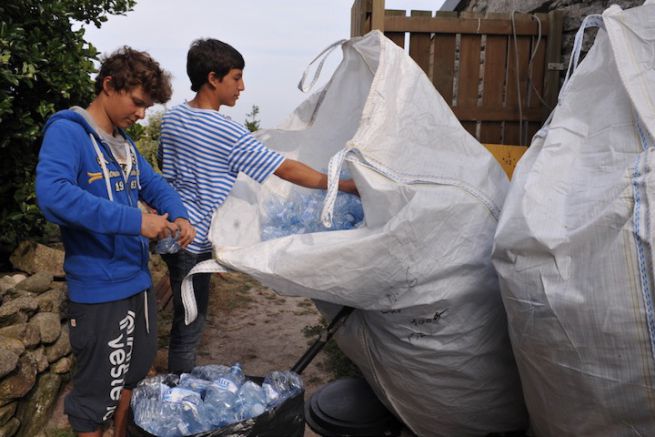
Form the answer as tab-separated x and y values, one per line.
113	349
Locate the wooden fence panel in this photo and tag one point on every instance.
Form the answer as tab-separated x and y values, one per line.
493	87
517	88
535	91
443	61
472	61
397	37
468	83
419	44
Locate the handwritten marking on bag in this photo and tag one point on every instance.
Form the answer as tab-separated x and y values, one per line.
391	311
416	336
434	319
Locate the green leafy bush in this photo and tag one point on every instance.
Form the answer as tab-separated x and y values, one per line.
45	66
147	136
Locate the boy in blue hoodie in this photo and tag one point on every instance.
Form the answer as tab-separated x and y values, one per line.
88	181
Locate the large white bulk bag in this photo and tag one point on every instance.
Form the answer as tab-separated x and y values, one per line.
574	245
429	331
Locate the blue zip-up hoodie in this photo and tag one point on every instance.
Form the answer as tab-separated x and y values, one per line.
106	256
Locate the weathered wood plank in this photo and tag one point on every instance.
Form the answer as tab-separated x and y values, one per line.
396	37
444	65
496	114
517	84
441	24
469	71
493	87
419	45
536	73
377	15
553	59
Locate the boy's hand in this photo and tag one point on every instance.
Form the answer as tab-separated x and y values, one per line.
187	232
153	225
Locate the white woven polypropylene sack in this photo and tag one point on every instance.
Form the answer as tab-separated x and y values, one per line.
573	248
430	330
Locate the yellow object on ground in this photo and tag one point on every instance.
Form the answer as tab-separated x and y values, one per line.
507	155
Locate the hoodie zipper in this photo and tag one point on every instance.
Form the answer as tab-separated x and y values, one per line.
128	189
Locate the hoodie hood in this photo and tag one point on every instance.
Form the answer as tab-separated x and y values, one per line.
70	115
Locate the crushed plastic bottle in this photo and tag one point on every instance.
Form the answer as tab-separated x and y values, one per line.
169	244
198	385
281	385
251	401
210	372
221	397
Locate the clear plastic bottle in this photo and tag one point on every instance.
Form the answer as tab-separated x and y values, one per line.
251	401
196	384
281	385
210	372
221	397
169	244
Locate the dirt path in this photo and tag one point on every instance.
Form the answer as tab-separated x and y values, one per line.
249	324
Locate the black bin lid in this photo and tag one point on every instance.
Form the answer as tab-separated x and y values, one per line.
348	407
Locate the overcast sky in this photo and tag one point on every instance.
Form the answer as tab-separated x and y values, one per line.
277	39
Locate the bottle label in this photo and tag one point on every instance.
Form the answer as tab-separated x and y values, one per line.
228	385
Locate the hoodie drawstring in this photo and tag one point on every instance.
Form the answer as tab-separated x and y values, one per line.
145	301
103	165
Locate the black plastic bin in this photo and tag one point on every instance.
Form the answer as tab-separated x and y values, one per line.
287	419
348	407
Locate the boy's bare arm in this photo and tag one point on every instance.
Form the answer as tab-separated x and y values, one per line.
301	174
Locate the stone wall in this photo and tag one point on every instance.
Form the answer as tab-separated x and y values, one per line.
35	353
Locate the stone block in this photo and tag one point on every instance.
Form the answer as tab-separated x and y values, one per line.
39	357
63	365
16	310
52	301
49	326
59	348
7	412
8	362
27	334
35	410
20	381
32	257
37	283
9	429
12	344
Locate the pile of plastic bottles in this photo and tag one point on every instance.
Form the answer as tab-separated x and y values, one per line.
208	398
301	214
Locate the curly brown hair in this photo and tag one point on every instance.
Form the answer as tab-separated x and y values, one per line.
129	68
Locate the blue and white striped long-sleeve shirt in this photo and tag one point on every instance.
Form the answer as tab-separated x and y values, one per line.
202	152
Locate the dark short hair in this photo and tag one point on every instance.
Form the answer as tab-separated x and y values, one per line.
207	55
129	68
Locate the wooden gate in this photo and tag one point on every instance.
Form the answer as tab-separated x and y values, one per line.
499	73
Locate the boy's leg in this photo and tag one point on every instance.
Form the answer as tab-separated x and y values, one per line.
120	416
185	338
143	353
101	336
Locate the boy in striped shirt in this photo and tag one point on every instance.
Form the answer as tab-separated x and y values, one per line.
201	154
